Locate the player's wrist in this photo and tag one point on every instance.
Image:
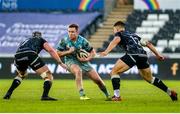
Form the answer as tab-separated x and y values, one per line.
106	52
60	62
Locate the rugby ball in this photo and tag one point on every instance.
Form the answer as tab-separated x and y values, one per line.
82	53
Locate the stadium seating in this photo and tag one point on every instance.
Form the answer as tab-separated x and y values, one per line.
161	27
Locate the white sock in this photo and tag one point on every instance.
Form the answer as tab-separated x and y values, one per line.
117	93
168	91
18	78
152	81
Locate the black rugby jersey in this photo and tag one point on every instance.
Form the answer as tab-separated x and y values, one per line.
31	44
130	42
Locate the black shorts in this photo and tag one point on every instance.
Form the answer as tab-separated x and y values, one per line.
23	60
141	61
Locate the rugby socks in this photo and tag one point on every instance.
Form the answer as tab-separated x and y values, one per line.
158	83
81	92
115	79
104	90
16	82
47	87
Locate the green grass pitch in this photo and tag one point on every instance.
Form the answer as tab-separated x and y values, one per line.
138	96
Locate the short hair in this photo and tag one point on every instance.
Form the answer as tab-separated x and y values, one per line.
119	23
36	34
76	26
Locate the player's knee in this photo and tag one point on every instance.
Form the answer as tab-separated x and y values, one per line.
21	74
146	75
18	78
47	75
78	77
113	73
78	72
149	79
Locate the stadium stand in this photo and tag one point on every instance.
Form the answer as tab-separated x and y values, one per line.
105	31
161	27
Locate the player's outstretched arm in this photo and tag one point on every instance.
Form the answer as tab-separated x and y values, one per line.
53	53
112	45
153	49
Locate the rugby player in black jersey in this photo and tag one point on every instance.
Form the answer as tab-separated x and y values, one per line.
27	56
135	55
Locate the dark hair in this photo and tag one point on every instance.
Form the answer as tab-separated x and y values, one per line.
76	26
119	23
36	34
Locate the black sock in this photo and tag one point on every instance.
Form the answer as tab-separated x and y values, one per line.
158	83
14	85
116	83
47	86
104	90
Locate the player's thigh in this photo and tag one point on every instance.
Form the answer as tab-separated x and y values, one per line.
94	75
74	68
119	67
21	63
39	67
42	69
21	68
146	74
86	67
36	62
142	61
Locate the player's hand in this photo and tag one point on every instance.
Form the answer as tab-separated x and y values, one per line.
102	54
64	66
83	59
160	57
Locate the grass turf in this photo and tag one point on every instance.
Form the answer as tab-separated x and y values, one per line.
137	95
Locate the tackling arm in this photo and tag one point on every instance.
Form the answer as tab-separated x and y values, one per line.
52	52
153	49
112	44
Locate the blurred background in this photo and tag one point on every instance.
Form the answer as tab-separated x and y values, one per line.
155	20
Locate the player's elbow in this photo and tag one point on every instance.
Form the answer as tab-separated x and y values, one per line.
59	53
144	42
149	44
